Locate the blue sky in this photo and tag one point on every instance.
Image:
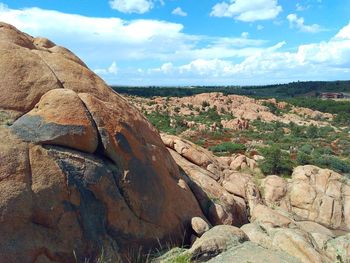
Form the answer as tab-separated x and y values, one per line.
191	42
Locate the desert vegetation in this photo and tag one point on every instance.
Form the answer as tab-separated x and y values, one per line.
318	135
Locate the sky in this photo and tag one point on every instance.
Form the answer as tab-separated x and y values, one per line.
195	42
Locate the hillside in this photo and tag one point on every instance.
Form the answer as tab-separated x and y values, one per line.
229	124
290	90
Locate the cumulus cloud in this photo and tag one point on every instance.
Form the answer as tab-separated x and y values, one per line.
112	69
182	58
179	12
131	6
247	11
299	23
312	61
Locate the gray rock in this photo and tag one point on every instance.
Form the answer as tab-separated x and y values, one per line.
215	241
249	252
199	225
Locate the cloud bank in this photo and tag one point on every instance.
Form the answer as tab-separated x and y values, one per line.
156	52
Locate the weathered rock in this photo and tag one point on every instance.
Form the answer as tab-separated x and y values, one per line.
236	183
292	241
219	206
320	195
312	194
215	241
297	243
199	225
250	252
60	118
79	172
267	216
193	153
275	190
338	249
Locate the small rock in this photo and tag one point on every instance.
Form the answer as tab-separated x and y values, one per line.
199	225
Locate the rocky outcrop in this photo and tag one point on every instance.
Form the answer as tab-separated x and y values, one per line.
286	222
242	108
223	193
81	170
312	194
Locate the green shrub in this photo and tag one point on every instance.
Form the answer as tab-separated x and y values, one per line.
296	130
333	163
324	151
312	132
228	147
272	107
307	148
303	158
276	161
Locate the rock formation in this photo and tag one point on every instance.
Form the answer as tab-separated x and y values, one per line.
303	219
81	170
83	173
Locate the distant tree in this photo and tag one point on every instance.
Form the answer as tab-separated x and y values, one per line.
296	130
312	131
276	162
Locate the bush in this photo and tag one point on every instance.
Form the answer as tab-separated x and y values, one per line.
228	147
312	132
272	107
276	161
333	163
307	148
342	118
303	158
296	130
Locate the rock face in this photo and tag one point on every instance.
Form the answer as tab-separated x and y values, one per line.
81	170
312	194
210	181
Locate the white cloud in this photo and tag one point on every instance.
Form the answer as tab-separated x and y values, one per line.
259	27
344	33
247	11
182	58
245	34
100	39
131	6
317	61
112	69
299	7
299	23
179	12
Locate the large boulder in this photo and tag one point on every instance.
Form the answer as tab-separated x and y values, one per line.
81	170
320	195
215	241
312	194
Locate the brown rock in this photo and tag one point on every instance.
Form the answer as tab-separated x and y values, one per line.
60	118
80	172
219	206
